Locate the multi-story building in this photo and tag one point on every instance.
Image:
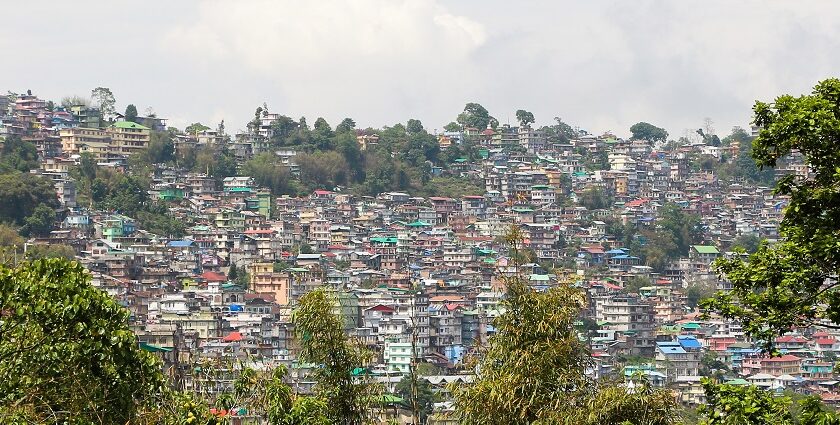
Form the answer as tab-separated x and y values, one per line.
119	141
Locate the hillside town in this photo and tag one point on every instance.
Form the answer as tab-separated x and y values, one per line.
213	268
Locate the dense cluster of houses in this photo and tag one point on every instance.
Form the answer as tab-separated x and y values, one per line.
421	278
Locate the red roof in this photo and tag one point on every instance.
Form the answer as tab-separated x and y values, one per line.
452	307
785	358
826	341
213	277
792	338
232	337
636	203
380	307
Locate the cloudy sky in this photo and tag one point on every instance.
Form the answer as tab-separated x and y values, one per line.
601	65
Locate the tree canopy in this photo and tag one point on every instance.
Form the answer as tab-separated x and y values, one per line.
130	113
793	283
524	117
475	116
648	132
323	342
66	352
533	369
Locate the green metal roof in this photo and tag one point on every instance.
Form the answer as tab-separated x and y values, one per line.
154	348
706	249
418	223
129	124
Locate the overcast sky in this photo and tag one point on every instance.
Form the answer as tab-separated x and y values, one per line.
600	65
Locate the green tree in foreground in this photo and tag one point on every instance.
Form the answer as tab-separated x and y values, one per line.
533	369
749	405
337	359
66	353
792	283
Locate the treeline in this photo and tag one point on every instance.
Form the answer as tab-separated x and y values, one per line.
327	158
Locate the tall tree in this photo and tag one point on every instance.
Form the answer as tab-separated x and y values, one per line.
475	116
648	132
323	342
793	283
533	370
104	100
524	117
130	113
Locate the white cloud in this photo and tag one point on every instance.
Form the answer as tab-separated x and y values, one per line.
601	64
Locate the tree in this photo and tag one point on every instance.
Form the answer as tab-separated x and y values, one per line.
648	132
697	292
748	242
69	101
595	198
281	129
195	128
452	127
425	397
87	165
475	116
104	100
414	127
160	150
40	222
635	283
560	132
322	341
18	155
736	405
533	369
267	171
793	283
218	163
22	193
346	125
524	117
267	395
66	351
130	113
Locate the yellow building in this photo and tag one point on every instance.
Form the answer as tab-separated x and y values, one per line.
122	139
128	138
79	140
264	280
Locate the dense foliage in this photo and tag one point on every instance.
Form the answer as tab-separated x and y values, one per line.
324	343
793	283
750	405
533	369
66	352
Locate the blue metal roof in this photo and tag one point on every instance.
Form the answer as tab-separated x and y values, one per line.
687	341
180	244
